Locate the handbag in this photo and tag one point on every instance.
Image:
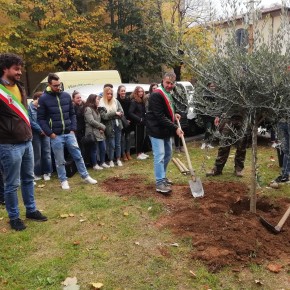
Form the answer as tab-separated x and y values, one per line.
125	122
89	139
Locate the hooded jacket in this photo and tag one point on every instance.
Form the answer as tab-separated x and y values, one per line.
55	113
13	129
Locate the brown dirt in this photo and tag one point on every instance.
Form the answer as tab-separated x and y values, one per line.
223	231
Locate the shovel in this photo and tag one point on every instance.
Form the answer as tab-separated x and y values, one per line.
276	229
195	182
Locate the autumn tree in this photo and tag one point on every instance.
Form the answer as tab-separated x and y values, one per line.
55	35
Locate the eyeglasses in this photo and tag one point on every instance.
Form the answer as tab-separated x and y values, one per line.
56	86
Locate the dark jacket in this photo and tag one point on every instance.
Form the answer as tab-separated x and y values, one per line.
81	126
125	103
137	113
13	129
159	123
56	113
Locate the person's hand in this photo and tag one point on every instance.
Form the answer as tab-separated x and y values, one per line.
52	136
179	132
177	117
120	114
216	121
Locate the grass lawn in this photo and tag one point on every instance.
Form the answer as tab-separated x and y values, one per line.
100	236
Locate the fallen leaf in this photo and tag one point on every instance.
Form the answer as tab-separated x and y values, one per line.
71	215
97	285
41	185
70	281
76	243
125	213
174	244
1	218
272	158
137	243
82	220
149	208
64	215
104	238
274	268
192	273
258	282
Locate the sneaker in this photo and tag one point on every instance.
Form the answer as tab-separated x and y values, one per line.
90	180
111	163
214	172
97	167
163	188
209	146
46	177
203	145
168	181
37	216
17	225
145	155
104	165
239	173
281	179
141	157
37	177
64	185
119	163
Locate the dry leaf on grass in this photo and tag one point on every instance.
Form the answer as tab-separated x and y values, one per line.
70	281
41	185
64	215
125	213
97	285
258	282
274	268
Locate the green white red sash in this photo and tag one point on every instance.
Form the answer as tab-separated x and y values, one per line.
167	101
13	103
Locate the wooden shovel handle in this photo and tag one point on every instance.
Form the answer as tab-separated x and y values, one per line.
186	152
177	165
283	219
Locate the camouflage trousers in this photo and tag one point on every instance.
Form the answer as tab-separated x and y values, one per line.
228	137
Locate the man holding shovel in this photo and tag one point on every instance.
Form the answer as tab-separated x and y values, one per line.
160	125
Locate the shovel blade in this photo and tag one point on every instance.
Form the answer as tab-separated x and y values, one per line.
196	187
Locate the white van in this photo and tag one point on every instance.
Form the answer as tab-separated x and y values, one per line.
73	79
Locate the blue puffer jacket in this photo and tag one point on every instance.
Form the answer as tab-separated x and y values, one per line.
55	113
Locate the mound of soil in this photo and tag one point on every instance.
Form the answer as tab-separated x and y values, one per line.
223	231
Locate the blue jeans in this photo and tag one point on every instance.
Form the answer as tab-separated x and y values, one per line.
1	186
70	142
162	152
42	154
16	162
126	142
114	144
284	138
98	149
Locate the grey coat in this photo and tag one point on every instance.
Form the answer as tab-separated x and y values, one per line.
93	124
110	119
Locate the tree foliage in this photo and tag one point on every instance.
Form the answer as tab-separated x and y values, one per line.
53	34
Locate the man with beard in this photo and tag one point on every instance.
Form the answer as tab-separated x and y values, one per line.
16	153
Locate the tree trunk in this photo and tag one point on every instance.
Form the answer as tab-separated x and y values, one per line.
177	71
253	201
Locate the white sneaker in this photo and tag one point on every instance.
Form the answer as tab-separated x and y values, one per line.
203	146
119	163
46	176
145	155
90	180
105	165
209	146
37	177
64	185
141	157
111	163
97	167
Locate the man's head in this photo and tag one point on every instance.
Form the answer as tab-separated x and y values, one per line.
168	81
10	67
54	82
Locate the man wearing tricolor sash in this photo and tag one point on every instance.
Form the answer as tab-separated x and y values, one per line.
16	153
161	127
